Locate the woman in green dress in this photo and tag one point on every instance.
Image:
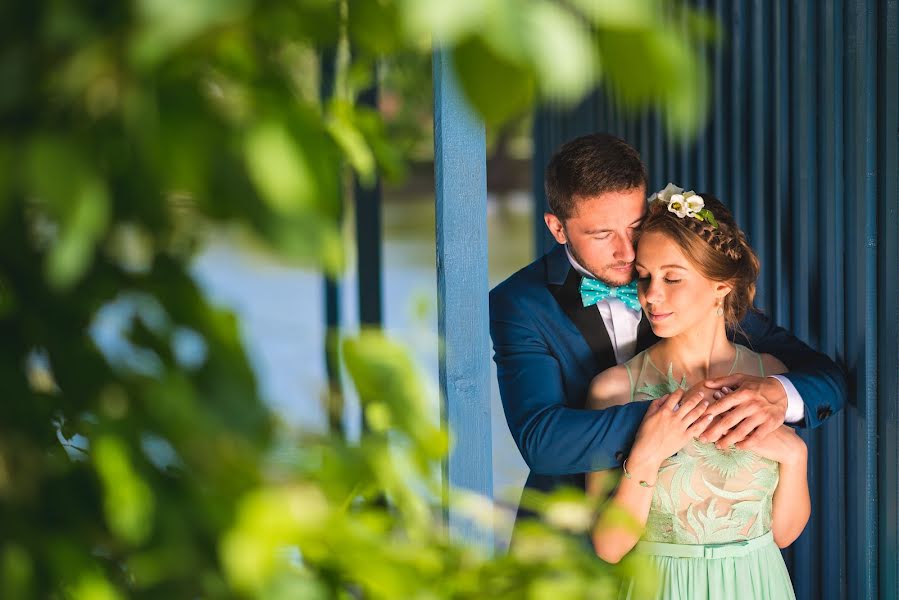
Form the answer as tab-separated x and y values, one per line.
711	520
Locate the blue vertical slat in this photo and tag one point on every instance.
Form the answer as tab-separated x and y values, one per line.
702	147
721	140
780	197
331	286
669	160
804	164
736	194
658	176
460	163
645	139
833	555
686	162
888	298
368	238
861	341
759	136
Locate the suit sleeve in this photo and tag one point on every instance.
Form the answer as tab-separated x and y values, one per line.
553	438
817	378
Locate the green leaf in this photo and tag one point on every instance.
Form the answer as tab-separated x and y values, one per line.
445	22
128	501
342	127
374	26
562	52
74	197
166	25
709	217
497	88
614	14
93	586
280	168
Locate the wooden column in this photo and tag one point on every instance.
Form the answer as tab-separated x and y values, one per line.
462	305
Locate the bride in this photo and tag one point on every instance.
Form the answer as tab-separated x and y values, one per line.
709	519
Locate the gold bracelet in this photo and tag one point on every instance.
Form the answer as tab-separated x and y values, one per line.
628	475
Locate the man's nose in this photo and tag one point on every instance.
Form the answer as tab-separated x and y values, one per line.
624	249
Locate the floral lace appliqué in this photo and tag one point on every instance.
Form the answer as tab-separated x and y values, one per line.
704	495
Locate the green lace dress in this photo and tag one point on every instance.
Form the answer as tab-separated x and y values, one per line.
708	531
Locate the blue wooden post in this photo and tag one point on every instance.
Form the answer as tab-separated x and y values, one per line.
331	285
460	161
368	238
888	301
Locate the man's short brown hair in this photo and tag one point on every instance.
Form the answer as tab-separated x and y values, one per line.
589	166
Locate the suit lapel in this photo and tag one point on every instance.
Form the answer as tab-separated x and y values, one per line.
587	319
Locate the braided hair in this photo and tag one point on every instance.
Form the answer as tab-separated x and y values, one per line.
718	253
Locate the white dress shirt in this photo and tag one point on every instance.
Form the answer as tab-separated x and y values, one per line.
622	323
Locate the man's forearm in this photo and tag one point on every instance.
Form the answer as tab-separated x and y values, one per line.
563	441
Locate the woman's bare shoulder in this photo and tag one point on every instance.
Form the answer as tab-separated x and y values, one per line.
772	365
612	387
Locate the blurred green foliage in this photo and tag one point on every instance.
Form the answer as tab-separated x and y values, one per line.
136	458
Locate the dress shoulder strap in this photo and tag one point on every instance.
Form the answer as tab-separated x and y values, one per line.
630	377
635	368
744	361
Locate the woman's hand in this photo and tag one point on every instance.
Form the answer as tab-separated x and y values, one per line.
782	445
670	422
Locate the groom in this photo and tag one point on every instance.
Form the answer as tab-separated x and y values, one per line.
548	345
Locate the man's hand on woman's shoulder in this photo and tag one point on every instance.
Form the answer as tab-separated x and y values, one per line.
748	407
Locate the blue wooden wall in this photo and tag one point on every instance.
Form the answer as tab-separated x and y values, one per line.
802	145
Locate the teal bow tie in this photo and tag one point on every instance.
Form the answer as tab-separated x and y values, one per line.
593	291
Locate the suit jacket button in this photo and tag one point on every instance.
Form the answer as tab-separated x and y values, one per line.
619	456
824	412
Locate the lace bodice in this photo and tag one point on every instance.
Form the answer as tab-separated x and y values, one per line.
704	495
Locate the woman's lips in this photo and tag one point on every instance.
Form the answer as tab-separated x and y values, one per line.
656	317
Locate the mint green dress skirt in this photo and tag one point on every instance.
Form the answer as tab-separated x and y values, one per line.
747	570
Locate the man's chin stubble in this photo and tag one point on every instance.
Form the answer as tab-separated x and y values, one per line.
615	280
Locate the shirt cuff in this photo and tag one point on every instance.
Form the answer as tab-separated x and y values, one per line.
795	405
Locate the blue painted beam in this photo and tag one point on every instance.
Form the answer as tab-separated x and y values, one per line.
331	285
778	304
832	517
861	302
760	159
368	238
460	163
888	299
803	141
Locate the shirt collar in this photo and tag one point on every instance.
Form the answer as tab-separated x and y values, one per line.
576	265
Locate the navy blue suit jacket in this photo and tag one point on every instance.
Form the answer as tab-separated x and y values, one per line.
548	348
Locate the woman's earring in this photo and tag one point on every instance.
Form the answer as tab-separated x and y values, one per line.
720	311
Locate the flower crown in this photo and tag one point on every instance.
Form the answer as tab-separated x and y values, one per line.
685	204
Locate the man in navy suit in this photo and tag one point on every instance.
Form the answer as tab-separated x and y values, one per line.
548	346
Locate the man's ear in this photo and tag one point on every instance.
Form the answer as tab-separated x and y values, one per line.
555	227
